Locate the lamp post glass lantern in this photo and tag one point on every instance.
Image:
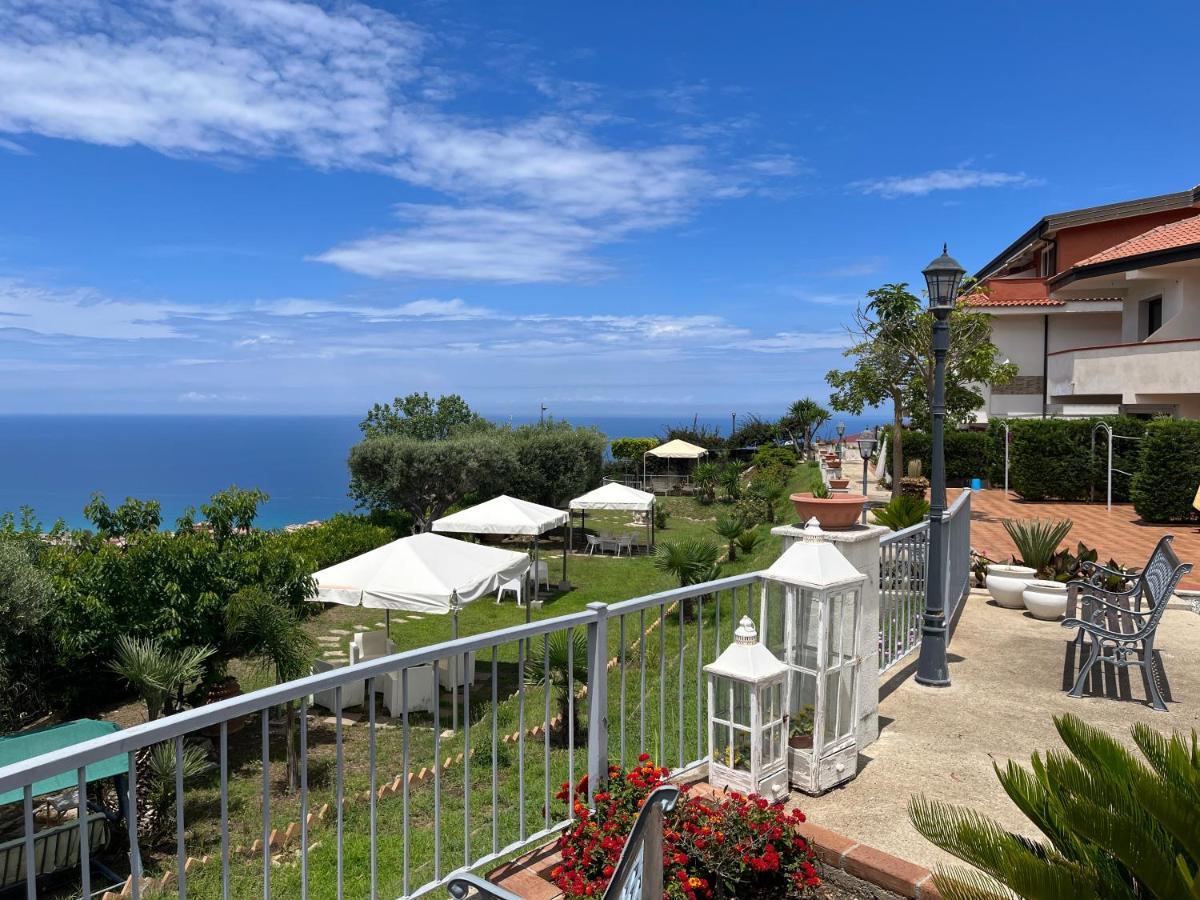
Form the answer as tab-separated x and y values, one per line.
811	604
841	433
866	449
747	720
943	277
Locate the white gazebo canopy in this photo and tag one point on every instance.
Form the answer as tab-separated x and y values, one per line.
615	496
677	449
424	573
503	515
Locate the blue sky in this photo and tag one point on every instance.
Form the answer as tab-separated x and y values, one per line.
283	207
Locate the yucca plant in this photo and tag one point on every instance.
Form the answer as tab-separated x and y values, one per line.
730	527
691	561
160	676
902	511
1115	825
567	656
156	785
1037	541
731	481
705	478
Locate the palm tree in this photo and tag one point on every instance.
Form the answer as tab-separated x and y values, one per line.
555	663
803	419
1115	827
731	481
160	676
692	560
705	478
264	628
730	527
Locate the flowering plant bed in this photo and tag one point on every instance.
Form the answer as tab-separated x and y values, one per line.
739	846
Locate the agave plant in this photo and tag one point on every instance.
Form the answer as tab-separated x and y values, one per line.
902	512
1115	825
1037	540
730	527
691	561
555	663
156	785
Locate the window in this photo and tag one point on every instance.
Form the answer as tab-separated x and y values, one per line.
1150	317
1049	261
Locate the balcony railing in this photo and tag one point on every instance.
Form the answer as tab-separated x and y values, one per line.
397	804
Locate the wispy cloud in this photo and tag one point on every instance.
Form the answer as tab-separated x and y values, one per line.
80	313
351	86
13	147
958	179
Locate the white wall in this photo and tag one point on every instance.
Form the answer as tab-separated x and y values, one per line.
1069	331
1181	306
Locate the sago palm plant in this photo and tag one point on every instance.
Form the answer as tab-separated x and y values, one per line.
159	676
554	663
1037	540
691	561
1115	825
748	541
902	512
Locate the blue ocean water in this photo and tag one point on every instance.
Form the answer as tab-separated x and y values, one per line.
54	463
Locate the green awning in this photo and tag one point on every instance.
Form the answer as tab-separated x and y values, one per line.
16	748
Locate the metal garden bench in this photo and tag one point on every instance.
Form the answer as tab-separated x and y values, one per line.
639	871
1116	623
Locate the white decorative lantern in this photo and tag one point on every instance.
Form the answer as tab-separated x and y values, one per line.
813	595
747	721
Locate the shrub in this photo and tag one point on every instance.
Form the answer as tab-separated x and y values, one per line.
736	847
1037	541
967	453
336	539
774	457
632	448
1112	824
902	512
25	610
555	462
753	432
1165	485
1051	458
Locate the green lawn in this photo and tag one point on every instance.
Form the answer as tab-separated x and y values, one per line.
664	718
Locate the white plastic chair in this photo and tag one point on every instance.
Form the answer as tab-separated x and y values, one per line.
367	645
541	573
452	672
594	543
421	691
516	586
353	694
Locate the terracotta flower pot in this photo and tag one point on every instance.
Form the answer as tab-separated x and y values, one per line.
839	484
842	511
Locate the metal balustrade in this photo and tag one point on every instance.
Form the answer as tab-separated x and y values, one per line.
903	564
471	789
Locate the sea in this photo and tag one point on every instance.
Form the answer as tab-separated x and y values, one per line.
53	464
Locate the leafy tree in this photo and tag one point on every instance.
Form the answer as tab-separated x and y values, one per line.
730	528
754	432
801	422
25	646
705	436
336	539
893	354
130	517
420	417
554	461
691	561
426	478
555	663
632	448
160	676
1115	825
263	628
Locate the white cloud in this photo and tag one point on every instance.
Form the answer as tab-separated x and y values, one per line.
79	313
958	179
13	147
349	86
790	341
413	309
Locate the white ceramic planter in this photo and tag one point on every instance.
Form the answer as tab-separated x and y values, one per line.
1006	584
1045	599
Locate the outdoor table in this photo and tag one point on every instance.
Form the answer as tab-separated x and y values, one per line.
16	748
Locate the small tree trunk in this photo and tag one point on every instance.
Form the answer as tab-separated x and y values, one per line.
897	447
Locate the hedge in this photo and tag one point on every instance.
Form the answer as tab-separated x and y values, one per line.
1166	482
967	453
1050	459
632	448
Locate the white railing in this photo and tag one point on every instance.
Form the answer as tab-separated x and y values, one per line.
463	797
903	566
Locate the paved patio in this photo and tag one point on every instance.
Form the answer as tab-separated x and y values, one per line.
1119	534
1007	671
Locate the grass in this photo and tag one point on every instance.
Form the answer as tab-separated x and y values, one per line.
664	718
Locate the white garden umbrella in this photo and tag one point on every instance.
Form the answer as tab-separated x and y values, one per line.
674	449
508	515
615	495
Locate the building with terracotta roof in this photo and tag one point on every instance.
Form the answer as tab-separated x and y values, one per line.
1100	310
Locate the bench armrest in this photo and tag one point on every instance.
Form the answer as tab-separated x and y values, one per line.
461	885
1114	606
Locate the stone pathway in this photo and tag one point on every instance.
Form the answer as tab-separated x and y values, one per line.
1119	534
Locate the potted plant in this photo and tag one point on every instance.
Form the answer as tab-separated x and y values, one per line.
831	512
1006	583
838	483
1037	541
801	735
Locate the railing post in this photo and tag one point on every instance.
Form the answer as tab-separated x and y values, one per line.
597	685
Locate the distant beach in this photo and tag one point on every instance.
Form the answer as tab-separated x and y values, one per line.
54	463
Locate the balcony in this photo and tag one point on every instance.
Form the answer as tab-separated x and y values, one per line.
1124	370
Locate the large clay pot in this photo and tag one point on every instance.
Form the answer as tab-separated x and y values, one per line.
1045	599
842	511
1006	584
839	484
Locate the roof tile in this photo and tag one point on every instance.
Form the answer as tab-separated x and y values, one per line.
1165	237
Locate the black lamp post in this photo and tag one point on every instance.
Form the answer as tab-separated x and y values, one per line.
866	447
943	277
841	431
